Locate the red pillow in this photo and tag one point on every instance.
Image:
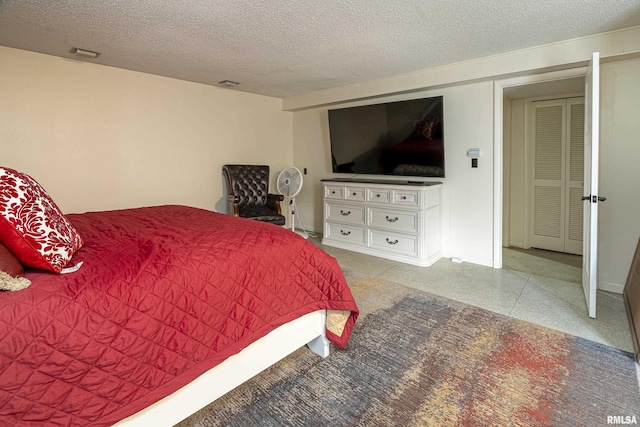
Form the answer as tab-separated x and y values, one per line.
9	264
32	227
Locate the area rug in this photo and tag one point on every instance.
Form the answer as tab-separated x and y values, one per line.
416	359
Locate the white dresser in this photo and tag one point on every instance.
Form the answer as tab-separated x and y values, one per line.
398	220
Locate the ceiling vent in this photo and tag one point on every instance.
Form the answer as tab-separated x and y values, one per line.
84	53
228	83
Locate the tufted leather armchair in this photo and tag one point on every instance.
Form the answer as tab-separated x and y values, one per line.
248	197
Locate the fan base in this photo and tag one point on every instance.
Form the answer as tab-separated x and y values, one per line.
301	233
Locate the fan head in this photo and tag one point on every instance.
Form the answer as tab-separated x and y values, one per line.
289	182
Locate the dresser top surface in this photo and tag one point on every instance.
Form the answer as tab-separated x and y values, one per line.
383	181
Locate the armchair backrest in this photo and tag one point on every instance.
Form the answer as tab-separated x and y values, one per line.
250	183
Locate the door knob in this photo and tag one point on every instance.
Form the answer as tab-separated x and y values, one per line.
594	199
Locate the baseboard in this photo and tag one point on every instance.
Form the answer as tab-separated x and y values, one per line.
420	262
611	287
473	260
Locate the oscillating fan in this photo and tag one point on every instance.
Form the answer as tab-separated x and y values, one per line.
289	184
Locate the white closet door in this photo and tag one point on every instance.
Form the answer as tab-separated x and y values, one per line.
549	129
575	176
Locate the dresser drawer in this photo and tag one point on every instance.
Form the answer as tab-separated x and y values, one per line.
406	198
333	192
393	220
355	194
391	242
378	196
345	233
344	213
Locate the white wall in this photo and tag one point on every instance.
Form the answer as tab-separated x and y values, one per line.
619	224
99	138
470	125
310	150
468	199
467	124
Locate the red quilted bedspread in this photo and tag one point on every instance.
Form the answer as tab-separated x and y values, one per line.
165	293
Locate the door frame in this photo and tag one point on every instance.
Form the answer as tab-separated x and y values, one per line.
498	160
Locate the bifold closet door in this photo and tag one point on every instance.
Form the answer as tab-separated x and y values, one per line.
575	176
558	153
549	128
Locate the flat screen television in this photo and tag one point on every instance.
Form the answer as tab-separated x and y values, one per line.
396	138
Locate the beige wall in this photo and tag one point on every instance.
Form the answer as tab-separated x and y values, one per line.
99	138
103	138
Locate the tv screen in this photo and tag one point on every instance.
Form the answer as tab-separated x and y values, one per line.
395	138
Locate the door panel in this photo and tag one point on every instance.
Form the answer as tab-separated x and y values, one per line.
547	218
548	175
575	176
549	127
574	219
591	163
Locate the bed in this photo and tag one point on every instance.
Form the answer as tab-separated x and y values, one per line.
172	307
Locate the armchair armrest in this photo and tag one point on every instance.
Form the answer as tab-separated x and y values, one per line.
273	202
232	204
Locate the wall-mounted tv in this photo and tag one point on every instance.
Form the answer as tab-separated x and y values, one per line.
395	138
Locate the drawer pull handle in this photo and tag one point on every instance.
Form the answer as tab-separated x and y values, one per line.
391	242
345	233
345	213
355	194
333	192
391	219
378	195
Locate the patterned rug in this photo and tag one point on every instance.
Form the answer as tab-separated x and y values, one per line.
415	359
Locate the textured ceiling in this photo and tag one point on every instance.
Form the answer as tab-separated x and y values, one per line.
283	48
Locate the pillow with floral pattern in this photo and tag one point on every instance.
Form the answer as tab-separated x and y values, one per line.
9	264
32	226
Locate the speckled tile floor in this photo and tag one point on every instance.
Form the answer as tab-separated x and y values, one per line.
540	287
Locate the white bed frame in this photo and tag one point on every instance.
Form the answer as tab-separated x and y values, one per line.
308	329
